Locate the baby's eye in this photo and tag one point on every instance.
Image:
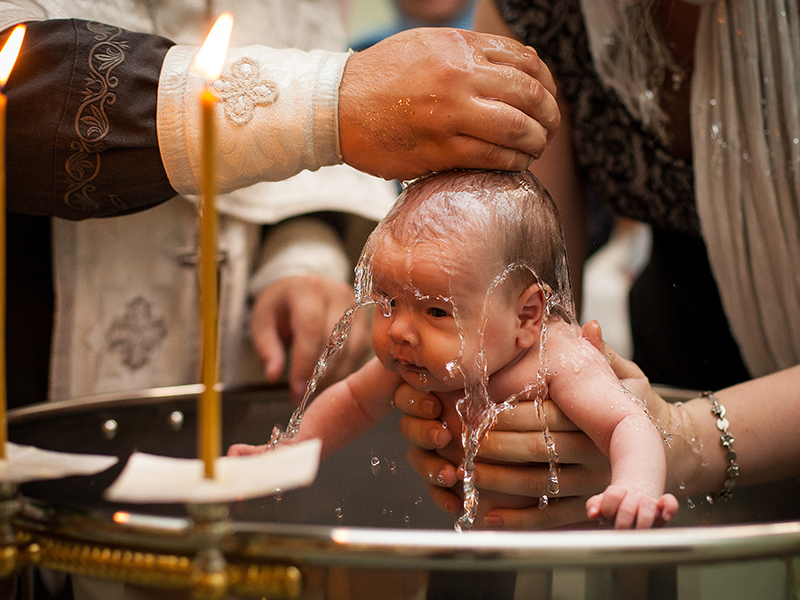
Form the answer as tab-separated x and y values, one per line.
438	313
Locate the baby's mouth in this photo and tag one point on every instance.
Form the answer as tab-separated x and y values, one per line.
410	366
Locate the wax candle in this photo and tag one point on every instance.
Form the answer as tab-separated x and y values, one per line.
8	56
209	435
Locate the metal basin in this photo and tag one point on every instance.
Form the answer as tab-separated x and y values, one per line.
367	532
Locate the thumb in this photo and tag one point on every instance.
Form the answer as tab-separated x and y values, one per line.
622	367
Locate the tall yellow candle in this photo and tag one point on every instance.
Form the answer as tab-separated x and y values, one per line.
209	421
8	56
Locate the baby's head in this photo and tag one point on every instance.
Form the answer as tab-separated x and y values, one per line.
458	252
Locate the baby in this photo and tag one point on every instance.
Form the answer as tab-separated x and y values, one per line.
469	274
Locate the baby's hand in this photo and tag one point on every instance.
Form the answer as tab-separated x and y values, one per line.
247	449
630	506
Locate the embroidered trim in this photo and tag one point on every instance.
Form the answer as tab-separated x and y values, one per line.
241	91
91	122
136	333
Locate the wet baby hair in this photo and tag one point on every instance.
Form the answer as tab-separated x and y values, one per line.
510	212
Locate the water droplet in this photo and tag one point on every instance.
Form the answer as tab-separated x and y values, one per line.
690	503
278	493
423	378
375	462
444	425
393	467
339	514
418	501
440	479
406	518
543	502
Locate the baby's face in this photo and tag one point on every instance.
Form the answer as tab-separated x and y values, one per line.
416	331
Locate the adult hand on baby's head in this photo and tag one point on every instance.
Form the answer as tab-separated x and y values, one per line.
435	99
295	316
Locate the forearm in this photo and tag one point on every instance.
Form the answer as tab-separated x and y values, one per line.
349	408
637	455
763	416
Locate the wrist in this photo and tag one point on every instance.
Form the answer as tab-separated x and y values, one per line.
696	461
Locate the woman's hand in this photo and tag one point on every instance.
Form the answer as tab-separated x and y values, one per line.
516	440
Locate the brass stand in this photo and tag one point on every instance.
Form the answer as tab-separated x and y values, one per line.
210	524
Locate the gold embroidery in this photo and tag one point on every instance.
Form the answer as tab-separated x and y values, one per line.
241	91
91	121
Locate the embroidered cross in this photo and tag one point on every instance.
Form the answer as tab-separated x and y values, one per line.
241	91
136	333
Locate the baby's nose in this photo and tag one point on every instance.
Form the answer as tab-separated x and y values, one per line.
402	330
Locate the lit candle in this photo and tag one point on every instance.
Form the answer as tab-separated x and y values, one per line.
8	55
209	63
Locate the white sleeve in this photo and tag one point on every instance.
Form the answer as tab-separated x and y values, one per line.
277	115
301	246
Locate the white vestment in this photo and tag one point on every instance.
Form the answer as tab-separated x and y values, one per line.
126	315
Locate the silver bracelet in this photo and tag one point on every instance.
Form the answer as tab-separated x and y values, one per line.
726	439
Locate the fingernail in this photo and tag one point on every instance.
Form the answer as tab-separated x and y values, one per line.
493	521
437	435
427	407
441	437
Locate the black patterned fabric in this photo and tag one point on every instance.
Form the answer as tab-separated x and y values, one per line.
681	335
627	167
81	132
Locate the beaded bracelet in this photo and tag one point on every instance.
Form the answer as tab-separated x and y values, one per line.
732	470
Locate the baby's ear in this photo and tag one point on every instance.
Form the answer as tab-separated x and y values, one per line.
530	311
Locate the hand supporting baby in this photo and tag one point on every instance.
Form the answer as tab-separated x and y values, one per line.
583	469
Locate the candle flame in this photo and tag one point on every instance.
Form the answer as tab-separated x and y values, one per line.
211	56
8	55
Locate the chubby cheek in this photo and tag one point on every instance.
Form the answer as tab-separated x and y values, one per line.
380	339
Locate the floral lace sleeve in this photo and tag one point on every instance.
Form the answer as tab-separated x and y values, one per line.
626	166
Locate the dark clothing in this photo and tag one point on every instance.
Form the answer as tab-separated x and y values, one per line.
81	142
81	133
681	335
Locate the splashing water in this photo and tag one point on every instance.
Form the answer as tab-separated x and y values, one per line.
333	344
479	414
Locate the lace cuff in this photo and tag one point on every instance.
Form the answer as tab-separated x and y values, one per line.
277	115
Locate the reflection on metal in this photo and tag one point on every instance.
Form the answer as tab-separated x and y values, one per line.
176	420
260	548
110	429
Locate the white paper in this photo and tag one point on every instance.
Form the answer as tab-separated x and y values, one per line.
28	463
160	479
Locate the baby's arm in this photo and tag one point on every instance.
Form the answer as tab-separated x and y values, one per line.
586	389
344	411
350	407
